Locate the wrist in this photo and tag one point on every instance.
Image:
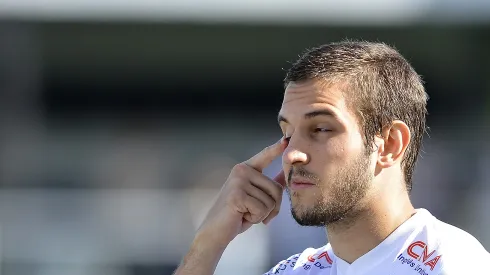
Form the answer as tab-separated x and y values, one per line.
202	258
209	242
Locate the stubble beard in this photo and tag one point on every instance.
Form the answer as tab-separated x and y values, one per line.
339	201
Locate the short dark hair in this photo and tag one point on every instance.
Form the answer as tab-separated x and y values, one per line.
381	87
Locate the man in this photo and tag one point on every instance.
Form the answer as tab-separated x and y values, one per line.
353	117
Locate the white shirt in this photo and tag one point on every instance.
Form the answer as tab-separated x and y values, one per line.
423	245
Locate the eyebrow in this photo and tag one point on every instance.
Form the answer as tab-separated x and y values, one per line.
309	115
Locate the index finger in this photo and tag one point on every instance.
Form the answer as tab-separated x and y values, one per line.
266	156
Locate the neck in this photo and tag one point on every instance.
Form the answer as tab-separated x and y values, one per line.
354	236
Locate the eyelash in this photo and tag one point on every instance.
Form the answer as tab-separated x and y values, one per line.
317	130
322	130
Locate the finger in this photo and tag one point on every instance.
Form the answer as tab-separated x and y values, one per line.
271	216
270	188
265	184
263	197
267	155
281	178
257	211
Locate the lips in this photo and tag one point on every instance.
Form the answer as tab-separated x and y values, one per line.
297	184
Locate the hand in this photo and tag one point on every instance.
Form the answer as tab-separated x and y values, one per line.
248	197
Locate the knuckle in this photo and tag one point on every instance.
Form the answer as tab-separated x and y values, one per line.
240	169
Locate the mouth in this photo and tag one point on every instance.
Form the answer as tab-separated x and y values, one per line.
299	184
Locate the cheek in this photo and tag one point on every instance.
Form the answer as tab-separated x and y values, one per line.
339	150
326	158
334	149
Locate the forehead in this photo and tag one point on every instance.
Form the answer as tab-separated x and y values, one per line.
311	95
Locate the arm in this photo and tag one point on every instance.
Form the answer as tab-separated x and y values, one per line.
248	197
202	258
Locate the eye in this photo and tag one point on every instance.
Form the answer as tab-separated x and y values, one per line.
322	130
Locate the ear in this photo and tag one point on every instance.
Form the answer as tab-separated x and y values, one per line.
392	144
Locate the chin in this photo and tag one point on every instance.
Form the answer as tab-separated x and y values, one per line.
301	209
302	215
318	215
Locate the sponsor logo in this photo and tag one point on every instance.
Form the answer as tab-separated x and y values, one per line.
419	258
314	259
325	255
420	252
283	265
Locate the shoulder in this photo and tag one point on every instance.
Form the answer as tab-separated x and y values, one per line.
310	261
454	240
460	252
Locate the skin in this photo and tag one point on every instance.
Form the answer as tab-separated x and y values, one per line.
357	193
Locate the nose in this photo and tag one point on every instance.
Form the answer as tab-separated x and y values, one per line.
293	155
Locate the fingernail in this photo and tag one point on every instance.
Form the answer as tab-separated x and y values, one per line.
284	140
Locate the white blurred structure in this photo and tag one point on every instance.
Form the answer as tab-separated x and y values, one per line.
253	11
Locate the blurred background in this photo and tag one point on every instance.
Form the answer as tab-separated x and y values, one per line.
120	120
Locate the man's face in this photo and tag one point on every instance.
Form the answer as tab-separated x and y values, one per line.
328	168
